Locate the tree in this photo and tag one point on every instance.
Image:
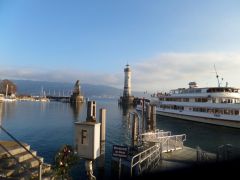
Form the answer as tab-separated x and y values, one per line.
9	86
65	159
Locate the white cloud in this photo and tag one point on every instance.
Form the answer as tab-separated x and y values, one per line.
60	75
174	70
160	73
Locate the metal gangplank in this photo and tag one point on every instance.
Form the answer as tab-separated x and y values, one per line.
163	142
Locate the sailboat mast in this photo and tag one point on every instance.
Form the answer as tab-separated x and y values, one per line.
7	90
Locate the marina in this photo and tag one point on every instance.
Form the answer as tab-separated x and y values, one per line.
48	116
114	139
119	90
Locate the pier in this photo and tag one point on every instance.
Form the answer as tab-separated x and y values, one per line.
159	152
153	150
59	98
75	97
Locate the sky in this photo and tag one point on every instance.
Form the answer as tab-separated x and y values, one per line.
168	43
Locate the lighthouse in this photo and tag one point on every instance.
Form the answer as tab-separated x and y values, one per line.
127	97
127	81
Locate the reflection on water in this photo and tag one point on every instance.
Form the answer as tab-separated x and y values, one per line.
76	109
1	113
48	126
8	109
126	109
208	137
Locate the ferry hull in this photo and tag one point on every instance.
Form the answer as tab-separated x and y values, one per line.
215	121
220	122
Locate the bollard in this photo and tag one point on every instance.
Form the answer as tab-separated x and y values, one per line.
135	130
102	119
143	109
148	117
101	160
153	118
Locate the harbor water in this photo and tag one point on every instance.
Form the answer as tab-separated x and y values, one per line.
47	126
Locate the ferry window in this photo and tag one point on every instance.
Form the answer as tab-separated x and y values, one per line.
209	111
198	90
220	111
236	112
185	100
204	99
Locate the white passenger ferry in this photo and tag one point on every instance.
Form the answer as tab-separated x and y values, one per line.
214	105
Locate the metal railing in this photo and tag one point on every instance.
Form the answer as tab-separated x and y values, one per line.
20	144
154	153
150	155
201	155
170	143
224	152
152	136
167	141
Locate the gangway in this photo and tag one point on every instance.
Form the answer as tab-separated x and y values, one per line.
163	142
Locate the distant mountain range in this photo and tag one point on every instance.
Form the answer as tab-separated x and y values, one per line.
27	87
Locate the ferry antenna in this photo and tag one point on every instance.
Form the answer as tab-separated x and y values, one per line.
217	76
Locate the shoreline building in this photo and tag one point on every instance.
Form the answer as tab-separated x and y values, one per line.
127	97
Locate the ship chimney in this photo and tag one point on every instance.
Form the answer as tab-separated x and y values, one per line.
192	85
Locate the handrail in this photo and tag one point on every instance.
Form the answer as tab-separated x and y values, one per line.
22	165
155	135
153	149
168	137
20	144
160	143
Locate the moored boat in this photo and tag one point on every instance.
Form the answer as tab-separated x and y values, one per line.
214	105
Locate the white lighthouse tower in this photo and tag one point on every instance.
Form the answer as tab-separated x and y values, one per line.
127	97
127	81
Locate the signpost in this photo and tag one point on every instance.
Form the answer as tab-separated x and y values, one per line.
120	152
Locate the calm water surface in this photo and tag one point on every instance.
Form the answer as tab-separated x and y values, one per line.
48	126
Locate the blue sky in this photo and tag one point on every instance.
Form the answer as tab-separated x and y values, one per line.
165	41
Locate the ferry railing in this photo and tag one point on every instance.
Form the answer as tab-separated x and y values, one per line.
20	144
